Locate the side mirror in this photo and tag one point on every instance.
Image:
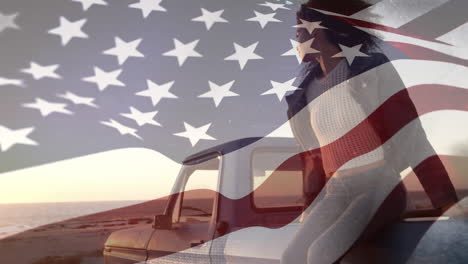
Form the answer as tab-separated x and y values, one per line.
163	222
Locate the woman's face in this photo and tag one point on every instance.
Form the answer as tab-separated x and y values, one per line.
327	49
321	43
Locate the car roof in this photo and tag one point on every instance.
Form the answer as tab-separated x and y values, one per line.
233	145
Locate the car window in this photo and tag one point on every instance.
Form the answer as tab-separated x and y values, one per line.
199	191
284	189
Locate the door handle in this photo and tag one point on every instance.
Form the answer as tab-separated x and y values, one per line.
195	243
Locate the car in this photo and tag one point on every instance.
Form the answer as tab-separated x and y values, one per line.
213	215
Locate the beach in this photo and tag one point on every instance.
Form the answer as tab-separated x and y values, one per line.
78	240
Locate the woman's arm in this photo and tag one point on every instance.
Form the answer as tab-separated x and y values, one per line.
402	154
431	171
436	182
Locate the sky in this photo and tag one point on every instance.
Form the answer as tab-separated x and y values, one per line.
124	174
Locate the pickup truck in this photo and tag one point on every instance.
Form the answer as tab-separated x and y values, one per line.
214	217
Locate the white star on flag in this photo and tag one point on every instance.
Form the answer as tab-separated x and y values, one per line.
350	53
68	30
8	21
157	92
148	6
46	108
104	79
305	48
38	72
86	4
183	51
243	55
218	92
310	26
280	89
294	51
263	19
300	50
195	134
123	50
7	81
78	100
142	118
123	130
274	6
210	18
9	137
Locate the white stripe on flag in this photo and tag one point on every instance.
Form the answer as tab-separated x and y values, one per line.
416	72
456	37
395	13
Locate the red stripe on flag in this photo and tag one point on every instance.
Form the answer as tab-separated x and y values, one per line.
370	25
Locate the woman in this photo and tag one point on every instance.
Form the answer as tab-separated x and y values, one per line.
361	157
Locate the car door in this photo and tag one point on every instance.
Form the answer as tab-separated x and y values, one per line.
267	223
193	216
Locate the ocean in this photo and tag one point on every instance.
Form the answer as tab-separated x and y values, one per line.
15	218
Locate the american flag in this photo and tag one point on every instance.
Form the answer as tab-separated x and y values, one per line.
84	76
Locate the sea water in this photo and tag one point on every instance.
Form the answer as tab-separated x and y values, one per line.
15	218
